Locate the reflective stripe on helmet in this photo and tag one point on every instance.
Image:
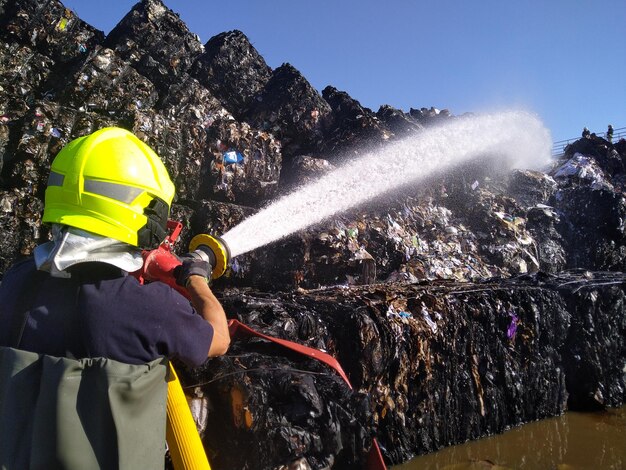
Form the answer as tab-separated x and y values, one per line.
119	192
55	179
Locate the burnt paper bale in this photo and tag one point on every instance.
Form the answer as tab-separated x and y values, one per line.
20	221
441	363
295	409
397	121
233	70
23	71
530	188
429	116
239	164
291	109
499	224
594	359
207	153
174	138
22	74
543	223
155	41
49	27
189	94
46	129
245	165
302	170
106	84
592	224
176	129
353	126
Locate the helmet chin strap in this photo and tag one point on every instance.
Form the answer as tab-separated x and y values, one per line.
154	232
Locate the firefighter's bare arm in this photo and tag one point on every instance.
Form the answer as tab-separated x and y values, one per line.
211	310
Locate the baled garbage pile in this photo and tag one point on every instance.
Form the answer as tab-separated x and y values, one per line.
440	362
471	304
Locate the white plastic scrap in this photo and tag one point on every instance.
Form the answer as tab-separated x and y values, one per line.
429	320
584	168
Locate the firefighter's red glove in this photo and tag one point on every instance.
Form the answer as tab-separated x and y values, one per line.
191	267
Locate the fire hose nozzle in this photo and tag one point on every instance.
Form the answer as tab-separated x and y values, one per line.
212	249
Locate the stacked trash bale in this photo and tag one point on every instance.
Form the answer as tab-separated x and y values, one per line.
234	134
441	363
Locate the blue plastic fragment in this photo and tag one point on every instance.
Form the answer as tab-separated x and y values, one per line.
232	157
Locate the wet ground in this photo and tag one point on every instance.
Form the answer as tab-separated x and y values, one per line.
572	441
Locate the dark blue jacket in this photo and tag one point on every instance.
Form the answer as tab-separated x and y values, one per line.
110	315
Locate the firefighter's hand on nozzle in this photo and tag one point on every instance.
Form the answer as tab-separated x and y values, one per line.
191	267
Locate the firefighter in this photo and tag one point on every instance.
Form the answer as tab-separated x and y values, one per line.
83	345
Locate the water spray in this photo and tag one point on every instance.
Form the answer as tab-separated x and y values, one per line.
518	138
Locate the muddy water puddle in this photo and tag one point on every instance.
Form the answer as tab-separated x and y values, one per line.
574	441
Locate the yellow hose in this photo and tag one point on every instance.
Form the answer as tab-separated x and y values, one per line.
181	433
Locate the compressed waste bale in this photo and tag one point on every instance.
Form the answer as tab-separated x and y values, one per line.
592	225
47	128
20	221
302	170
594	362
499	224
543	223
23	71
173	139
108	85
411	240
232	69
353	126
207	152
155	41
49	27
278	408
530	188
246	163
430	116
442	363
189	94
291	109
398	122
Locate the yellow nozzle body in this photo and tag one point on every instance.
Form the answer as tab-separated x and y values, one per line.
214	246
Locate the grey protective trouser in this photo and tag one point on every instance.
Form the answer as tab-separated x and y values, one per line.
61	413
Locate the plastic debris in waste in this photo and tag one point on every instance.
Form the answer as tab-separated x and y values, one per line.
232	156
393	312
512	329
585	169
429	321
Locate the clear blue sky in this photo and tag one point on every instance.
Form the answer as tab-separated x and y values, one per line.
563	60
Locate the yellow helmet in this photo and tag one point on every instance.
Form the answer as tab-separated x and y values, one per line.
112	184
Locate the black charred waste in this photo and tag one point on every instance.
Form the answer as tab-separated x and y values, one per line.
458	309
